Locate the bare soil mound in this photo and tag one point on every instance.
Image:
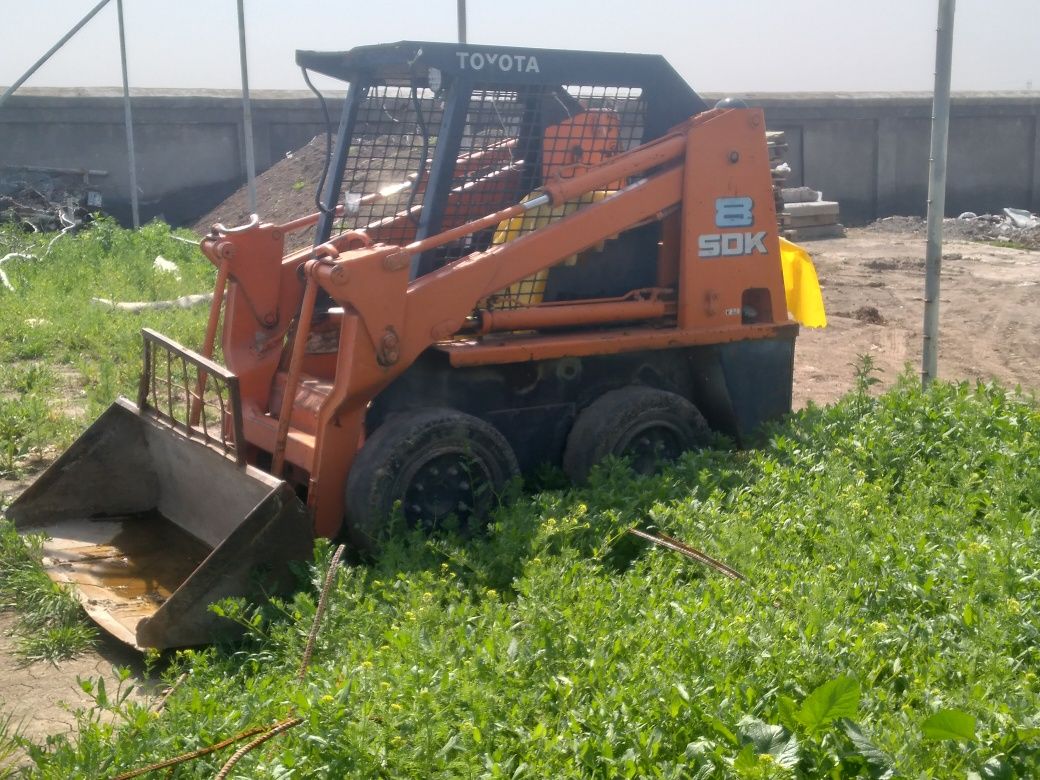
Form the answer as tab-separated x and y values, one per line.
284	191
287	189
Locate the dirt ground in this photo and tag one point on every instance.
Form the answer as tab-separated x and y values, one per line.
873	288
873	284
42	697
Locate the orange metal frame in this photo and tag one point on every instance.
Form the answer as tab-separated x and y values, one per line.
388	320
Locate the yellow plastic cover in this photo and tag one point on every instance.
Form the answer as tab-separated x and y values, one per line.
804	298
530	291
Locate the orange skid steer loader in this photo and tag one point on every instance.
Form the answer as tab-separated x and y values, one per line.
519	257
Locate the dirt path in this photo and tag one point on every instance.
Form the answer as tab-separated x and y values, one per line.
873	286
42	697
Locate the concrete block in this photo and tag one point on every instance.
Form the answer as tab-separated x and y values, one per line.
809	220
800	195
818	232
815	209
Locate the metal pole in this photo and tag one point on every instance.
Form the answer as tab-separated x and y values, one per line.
247	111
462	20
128	119
50	52
937	189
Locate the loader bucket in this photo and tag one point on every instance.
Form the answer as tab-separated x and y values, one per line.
149	527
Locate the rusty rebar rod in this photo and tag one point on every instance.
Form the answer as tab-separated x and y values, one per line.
690	552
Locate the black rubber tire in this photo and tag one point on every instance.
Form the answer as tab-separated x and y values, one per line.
642	423
405	454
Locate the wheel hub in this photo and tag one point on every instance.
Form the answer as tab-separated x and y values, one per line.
442	486
650	445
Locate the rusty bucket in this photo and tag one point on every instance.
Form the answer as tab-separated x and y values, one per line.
149	526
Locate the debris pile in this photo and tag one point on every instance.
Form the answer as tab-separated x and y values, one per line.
807	216
1015	227
42	199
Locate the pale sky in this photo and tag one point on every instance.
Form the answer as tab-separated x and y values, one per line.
717	45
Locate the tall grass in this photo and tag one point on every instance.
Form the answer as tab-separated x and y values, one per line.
50	624
11	753
64	358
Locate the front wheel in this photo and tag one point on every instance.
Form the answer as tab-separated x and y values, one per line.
440	464
643	424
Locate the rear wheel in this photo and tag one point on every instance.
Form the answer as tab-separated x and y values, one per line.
440	464
643	424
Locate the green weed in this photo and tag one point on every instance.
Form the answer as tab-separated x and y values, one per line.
30	423
1005	243
51	624
51	316
886	631
10	746
50	322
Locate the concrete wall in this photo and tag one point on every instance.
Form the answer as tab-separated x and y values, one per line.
189	146
868	151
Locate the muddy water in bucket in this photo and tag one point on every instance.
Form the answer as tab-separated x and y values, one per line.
138	557
149	528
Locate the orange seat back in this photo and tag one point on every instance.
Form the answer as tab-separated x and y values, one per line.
580	141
